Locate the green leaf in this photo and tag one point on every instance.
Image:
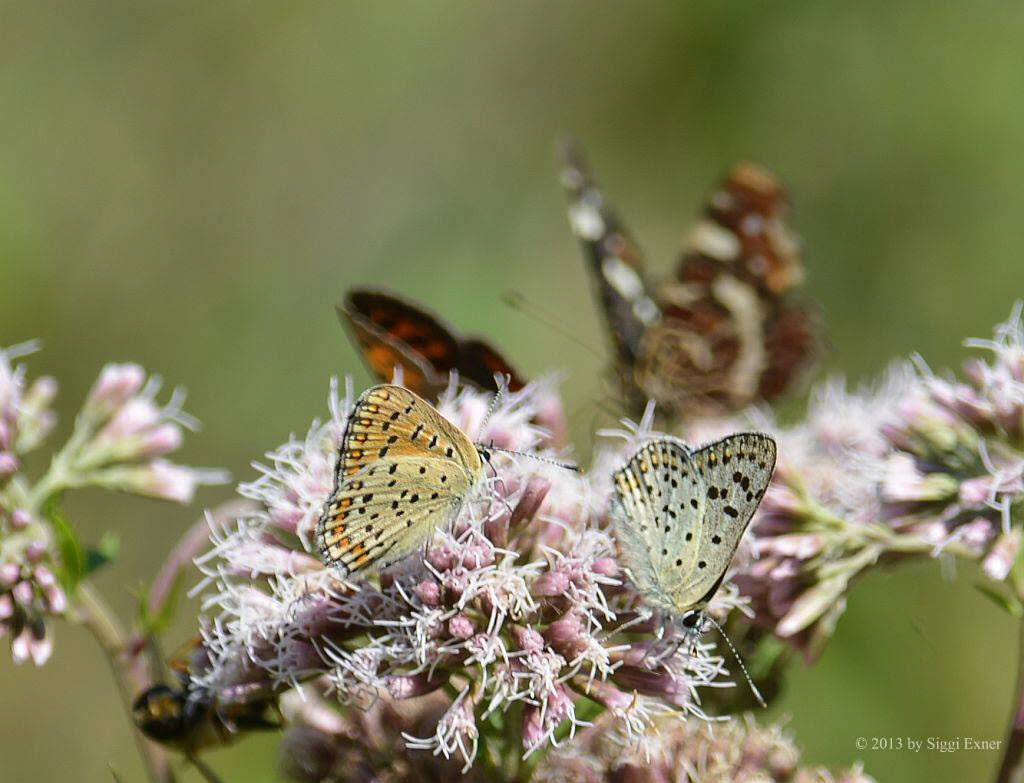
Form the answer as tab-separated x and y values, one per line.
106	551
151	624
72	557
1007	603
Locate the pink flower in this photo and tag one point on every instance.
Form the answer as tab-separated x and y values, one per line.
918	464
167	481
117	384
115	438
522	597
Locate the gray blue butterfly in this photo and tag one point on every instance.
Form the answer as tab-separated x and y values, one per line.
680	514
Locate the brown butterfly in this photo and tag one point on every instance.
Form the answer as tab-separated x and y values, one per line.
723	331
394	332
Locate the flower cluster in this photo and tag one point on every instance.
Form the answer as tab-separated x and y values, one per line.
361	746
29	591
917	464
121	437
957	474
118	442
323	744
518	624
25	415
821	520
690	751
518	615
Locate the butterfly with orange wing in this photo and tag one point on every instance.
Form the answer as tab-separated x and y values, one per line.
724	331
395	332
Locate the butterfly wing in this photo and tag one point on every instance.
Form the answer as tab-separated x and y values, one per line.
744	230
614	258
403	471
660	499
730	332
393	332
735	473
479	362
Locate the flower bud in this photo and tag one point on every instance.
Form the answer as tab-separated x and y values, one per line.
40	649
23	593
429	592
527	638
44	576
413	685
20	646
530	501
10	573
461	627
566	635
1001	557
811	605
9	464
40	394
56	600
117	384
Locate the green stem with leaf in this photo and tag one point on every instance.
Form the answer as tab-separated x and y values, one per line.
88	607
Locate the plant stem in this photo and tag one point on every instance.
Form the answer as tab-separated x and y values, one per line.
100	621
203	769
1011	770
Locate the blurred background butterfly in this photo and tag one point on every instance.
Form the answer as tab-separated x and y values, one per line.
393	332
724	330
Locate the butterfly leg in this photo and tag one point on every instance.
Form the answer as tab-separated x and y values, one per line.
659	657
675	648
499	483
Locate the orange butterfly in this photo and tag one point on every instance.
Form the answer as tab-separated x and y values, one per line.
394	332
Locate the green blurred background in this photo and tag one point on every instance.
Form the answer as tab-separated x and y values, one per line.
192	185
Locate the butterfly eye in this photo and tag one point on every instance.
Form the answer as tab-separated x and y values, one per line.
691	619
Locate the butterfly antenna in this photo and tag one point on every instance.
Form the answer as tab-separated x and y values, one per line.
498	397
521	304
502	390
746	674
537	457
